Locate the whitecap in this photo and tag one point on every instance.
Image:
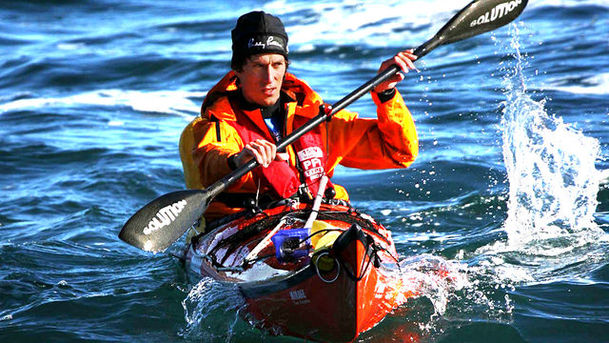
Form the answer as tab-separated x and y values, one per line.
166	102
595	85
355	22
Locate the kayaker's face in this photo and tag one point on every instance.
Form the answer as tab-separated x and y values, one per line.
261	78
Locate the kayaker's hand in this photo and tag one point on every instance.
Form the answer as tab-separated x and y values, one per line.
404	59
262	150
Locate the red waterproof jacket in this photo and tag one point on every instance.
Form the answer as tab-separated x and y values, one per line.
210	139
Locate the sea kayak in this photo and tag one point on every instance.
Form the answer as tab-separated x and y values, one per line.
327	283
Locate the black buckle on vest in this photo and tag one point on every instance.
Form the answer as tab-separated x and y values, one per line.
326	109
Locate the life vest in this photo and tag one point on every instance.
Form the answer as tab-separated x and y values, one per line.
283	179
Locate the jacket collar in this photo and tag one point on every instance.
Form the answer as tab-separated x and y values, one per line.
217	103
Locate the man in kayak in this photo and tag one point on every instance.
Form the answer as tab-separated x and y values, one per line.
258	102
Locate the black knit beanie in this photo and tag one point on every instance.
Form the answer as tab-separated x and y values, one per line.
256	33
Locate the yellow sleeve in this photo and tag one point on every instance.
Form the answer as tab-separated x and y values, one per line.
205	147
390	141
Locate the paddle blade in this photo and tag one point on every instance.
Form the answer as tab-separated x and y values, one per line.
165	219
478	17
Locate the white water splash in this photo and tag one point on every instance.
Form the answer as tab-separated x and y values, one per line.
448	291
433	278
211	311
553	181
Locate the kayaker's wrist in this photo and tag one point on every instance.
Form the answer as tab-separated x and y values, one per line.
386	95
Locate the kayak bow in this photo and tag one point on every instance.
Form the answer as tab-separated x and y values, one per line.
346	281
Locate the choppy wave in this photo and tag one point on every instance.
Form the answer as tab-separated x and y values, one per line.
356	22
597	85
93	96
168	102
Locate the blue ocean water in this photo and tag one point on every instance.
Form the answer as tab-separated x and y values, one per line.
510	188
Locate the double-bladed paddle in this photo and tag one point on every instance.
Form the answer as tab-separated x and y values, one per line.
163	220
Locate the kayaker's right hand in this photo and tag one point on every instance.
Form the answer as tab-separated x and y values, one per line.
262	150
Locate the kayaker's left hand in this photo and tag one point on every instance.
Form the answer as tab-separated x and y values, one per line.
404	59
